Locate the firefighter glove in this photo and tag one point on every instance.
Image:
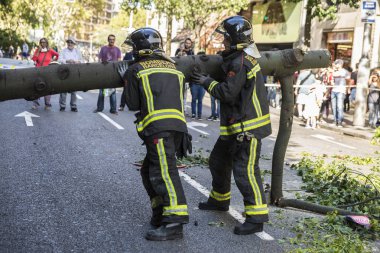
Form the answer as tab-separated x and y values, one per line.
122	68
198	77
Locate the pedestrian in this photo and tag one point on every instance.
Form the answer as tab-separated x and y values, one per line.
25	51
215	109
373	98
108	53
354	80
1	52
11	51
197	94
155	89
304	81
346	102
340	78
186	48
70	55
313	104
43	56
325	76
244	122
127	57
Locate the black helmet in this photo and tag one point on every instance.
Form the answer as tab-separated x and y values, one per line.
237	29
145	39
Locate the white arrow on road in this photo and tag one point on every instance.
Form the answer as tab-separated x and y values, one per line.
193	125
28	117
331	139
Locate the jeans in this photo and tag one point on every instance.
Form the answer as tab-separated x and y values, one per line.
197	94
47	101
73	100
215	112
373	109
337	99
100	104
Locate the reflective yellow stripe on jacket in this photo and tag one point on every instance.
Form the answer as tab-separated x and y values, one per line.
247	125
158	115
144	75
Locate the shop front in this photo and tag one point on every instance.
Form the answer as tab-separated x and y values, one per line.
340	45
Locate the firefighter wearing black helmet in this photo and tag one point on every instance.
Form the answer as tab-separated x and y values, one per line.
154	87
244	122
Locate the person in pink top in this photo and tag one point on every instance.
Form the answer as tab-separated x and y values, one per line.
42	57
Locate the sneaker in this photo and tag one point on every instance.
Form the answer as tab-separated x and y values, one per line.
96	110
115	112
339	125
216	119
210	118
199	118
62	109
193	116
121	108
74	109
34	107
47	107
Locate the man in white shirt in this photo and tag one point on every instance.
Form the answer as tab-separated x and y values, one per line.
70	55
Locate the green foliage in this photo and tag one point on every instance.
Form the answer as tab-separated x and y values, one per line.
196	159
334	184
329	235
376	138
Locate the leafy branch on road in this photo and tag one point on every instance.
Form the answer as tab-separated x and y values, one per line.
333	183
376	138
196	159
330	234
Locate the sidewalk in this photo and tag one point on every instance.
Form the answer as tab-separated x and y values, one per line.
347	129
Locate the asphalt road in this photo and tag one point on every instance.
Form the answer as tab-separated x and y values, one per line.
68	183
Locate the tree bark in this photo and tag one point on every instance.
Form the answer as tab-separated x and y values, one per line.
169	34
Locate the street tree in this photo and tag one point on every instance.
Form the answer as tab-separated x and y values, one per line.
323	10
171	9
119	26
200	15
17	17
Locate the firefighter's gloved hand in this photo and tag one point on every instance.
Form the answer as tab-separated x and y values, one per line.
185	146
198	77
122	68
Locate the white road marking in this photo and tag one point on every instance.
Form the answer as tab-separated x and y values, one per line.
111	121
235	214
330	139
28	117
193	125
79	97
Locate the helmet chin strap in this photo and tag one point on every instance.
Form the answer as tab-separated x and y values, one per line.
146	52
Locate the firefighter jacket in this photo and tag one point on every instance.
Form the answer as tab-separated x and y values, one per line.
155	89
243	97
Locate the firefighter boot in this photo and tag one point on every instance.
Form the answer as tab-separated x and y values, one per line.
156	219
212	207
171	231
248	228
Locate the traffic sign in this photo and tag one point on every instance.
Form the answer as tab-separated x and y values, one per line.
368	11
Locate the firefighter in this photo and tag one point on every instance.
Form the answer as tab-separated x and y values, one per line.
154	87
244	122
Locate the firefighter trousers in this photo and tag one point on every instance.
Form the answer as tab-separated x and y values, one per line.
243	159
161	178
